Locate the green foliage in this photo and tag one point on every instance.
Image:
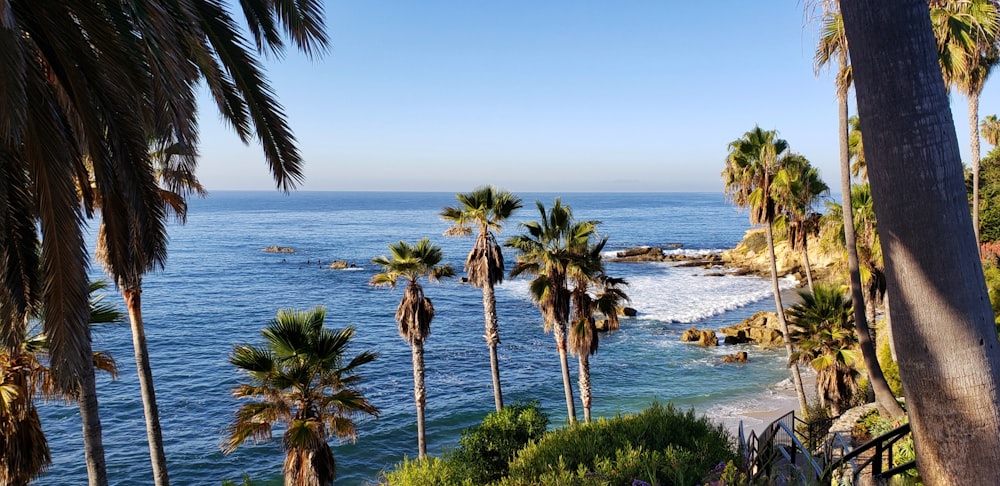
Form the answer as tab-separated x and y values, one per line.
992	274
890	369
989	194
487	448
433	471
755	241
660	443
246	481
484	451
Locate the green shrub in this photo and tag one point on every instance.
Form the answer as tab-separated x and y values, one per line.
433	471
660	445
755	241
483	453
487	448
992	274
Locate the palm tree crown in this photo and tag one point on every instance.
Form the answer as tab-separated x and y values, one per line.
300	378
409	263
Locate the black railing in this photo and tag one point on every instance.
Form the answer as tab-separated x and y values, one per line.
779	452
881	461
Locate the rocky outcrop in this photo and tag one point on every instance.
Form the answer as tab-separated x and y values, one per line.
627	312
740	357
340	265
641	254
751	257
761	328
279	249
704	338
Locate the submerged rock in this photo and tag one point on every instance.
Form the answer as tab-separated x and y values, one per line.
279	249
340	265
740	357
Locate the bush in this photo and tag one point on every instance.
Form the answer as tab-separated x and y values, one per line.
755	241
660	445
890	369
487	448
484	450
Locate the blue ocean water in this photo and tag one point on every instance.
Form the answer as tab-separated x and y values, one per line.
220	288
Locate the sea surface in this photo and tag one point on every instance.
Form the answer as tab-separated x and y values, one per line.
221	288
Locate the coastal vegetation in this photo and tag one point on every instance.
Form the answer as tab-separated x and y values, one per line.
89	85
659	445
300	379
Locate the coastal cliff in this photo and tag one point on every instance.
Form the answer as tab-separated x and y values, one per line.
751	256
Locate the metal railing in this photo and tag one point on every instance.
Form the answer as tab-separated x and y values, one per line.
778	453
880	462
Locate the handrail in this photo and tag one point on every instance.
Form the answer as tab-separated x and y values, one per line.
805	452
882	445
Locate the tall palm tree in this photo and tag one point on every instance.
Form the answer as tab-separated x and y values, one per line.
174	165
798	186
751	167
593	292
832	47
86	84
546	250
300	378
968	33
826	341
415	311
937	294
484	209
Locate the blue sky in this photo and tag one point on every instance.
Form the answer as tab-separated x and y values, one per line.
544	96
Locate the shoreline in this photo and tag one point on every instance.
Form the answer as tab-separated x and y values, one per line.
758	411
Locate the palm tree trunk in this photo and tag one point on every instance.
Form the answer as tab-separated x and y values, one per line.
949	359
560	335
584	383
133	301
419	397
93	443
805	263
883	394
888	326
796	376
492	340
974	148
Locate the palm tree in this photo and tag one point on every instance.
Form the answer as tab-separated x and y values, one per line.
174	165
833	46
990	128
826	341
485	209
751	167
798	186
88	84
588	277
415	311
968	33
24	375
937	294
546	250
856	149
300	378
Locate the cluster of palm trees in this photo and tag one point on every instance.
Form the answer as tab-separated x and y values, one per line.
88	88
775	184
570	284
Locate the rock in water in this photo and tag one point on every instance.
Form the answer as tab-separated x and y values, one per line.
691	335
740	357
708	338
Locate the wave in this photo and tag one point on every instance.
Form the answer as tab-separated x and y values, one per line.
683	294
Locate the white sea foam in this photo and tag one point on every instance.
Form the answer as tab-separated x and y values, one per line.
684	294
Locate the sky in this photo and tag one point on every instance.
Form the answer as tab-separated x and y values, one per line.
552	96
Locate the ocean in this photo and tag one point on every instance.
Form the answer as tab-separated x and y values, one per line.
220	288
